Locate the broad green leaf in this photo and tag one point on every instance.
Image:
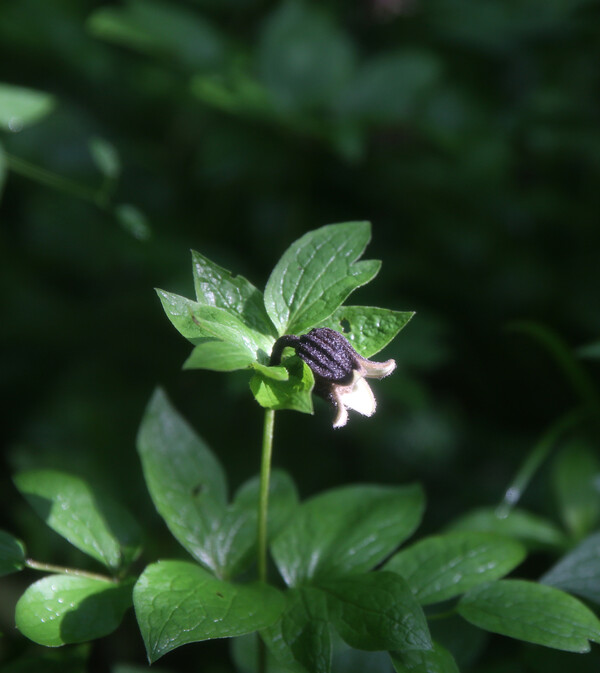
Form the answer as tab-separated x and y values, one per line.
185	480
20	107
376	611
197	322
576	479
234	538
441	567
316	274
301	638
133	221
12	554
3	170
215	286
178	603
278	373
294	392
534	531
106	157
346	530
579	571
532	612
160	29
304	58
219	356
368	329
436	660
65	609
87	518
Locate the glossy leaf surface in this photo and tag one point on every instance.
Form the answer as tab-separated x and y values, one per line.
346	530
66	609
441	567
436	660
531	612
178	603
316	274
90	520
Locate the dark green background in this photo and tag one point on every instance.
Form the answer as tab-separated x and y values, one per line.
466	131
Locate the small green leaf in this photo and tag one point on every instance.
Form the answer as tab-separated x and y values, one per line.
20	107
316	274
87	518
532	530
12	554
576	479
275	373
198	322
66	609
294	392
301	638
178	603
234	539
436	660
160	29
531	612
579	571
215	286
346	530
368	329
219	356
105	157
441	567
185	480
376	611
133	221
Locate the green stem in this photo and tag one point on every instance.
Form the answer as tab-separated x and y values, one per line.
49	179
62	570
263	499
534	460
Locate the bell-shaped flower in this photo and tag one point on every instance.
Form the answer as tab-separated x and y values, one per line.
339	371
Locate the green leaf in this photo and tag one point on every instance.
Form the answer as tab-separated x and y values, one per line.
20	107
294	392
66	609
301	638
275	373
579	571
90	520
368	329
436	660
441	567
198	322
12	554
178	603
531	612
534	531
185	480
304	58
219	356
346	530
106	157
576	473
234	539
316	274
376	611
133	221
160	29
215	286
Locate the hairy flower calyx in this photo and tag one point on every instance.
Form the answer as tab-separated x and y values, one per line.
338	369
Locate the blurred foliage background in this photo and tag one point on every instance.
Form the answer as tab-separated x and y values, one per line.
466	131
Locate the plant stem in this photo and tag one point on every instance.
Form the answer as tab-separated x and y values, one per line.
62	570
263	499
534	460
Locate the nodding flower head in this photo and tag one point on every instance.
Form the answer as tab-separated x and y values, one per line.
338	369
